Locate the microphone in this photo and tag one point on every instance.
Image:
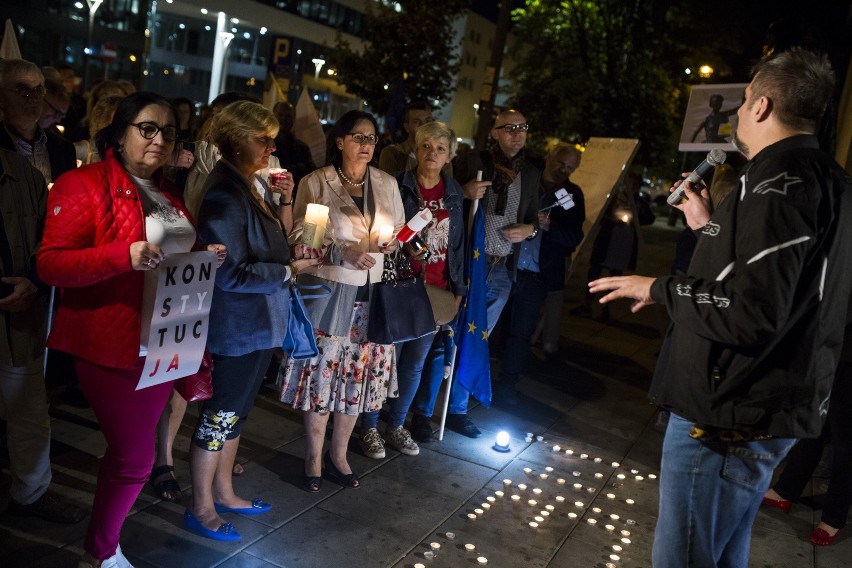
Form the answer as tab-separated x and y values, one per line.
714	158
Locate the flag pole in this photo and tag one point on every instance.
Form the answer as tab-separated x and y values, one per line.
450	369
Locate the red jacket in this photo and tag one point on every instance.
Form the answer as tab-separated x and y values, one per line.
93	215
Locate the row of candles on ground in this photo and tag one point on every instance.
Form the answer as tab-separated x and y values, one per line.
435	547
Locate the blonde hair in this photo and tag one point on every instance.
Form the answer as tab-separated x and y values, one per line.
437	129
238	121
102	113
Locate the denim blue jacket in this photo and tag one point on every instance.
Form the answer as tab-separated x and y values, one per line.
251	303
453	197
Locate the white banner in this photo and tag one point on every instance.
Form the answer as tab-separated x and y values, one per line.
181	317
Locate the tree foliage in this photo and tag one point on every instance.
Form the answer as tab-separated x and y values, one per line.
408	39
602	68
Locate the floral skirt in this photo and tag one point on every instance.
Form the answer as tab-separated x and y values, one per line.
348	376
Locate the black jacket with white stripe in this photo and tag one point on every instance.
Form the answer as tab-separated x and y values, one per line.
758	322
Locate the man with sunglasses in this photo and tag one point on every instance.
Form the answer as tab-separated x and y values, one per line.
510	196
22	95
23	301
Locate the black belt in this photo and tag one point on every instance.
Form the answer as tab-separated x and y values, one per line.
492	259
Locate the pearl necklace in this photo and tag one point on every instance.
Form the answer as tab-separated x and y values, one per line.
349	181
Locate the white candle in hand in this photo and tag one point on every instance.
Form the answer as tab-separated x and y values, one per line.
313	232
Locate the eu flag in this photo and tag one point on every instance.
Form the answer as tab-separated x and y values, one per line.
473	370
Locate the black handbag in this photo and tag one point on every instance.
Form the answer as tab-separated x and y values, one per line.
399	306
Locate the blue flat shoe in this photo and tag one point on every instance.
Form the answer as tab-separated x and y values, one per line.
225	531
258	507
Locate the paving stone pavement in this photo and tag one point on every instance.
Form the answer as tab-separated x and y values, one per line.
589	485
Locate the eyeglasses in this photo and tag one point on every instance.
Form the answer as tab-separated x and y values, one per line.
267	141
28	92
510	128
149	131
56	112
369	139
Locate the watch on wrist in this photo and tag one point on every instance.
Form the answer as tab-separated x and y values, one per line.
534	233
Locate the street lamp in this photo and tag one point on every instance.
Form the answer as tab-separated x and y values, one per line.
705	71
93	8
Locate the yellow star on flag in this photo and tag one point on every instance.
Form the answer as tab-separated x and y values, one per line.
471	327
475	254
485	336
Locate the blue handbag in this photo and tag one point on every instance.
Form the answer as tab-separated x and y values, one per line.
299	341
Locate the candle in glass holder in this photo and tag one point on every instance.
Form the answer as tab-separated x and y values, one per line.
482	560
313	231
385	234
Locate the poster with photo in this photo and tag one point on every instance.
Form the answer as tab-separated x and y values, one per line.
711	117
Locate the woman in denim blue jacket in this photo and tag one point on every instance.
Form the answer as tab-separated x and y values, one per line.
427	186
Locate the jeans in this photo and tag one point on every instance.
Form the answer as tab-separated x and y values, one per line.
498	285
410	360
528	294
709	496
23	404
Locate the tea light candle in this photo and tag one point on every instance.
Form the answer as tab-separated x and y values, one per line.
485	506
515	497
578	486
584	456
529	434
545	513
590	489
471	516
629	501
533	524
625	532
598	460
385	234
616	464
596	509
560	498
652	476
539	438
478	511
451	536
498	493
537	491
528	439
578	503
634	471
576	473
614	517
549	507
539	519
556	448
569	452
625	540
616	548
598	475
429	555
490	499
572	515
609	565
435	546
313	231
548	469
560	481
469	547
419	565
507	482
592	521
621	476
610	495
614	557
522	486
532	502
527	470
609	528
542	475
482	560
639	478
631	522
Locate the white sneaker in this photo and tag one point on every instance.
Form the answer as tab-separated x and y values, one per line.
117	560
372	444
400	440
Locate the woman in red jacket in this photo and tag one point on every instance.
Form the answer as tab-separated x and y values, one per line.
109	226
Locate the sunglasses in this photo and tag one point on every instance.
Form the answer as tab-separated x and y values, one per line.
369	139
149	131
28	92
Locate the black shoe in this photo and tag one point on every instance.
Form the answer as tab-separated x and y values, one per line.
333	474
463	425
421	428
50	508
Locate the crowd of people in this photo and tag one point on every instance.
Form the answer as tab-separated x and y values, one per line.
93	210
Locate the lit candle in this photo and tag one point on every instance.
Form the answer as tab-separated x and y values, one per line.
639	478
469	546
419	565
652	476
625	540
598	460
539	519
490	499
436	546
578	503
569	452
451	536
590	489
533	524
614	557
549	507
545	513
313	229
634	471
614	517
537	491
482	560
592	521
610	495
560	481
576	473
609	528
596	509
428	555
532	502
616	548
629	501
522	486
478	511
527	470
498	493
578	486
516	497
560	498
556	448
539	438
548	469
385	234
542	475
584	456
572	515
471	516
598	475
621	476
610	565
625	532
615	464
486	506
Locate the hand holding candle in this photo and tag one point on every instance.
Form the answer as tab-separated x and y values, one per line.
316	219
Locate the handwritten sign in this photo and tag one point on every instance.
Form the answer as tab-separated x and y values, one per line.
181	317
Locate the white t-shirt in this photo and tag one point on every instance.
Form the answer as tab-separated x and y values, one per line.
167	227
